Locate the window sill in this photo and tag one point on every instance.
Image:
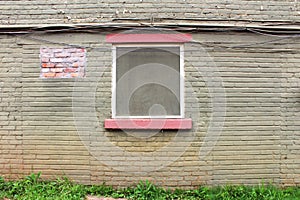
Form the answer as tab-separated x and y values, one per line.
147	124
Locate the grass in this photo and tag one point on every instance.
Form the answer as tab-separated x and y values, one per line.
33	188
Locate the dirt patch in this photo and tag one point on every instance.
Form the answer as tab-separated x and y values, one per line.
101	198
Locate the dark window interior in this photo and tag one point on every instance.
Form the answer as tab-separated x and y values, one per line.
148	81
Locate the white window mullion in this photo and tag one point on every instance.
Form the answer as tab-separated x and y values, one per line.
114	83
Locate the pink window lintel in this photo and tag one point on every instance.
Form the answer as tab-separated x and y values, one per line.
148	38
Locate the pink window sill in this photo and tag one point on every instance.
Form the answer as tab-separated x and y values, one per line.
166	124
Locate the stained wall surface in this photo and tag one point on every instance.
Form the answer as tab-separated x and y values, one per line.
41	12
241	77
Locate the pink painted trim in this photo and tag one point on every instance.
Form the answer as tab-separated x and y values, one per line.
148	38
148	124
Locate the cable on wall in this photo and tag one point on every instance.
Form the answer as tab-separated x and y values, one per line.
102	28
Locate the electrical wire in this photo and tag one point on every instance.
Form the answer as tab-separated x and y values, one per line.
243	45
144	26
262	32
138	24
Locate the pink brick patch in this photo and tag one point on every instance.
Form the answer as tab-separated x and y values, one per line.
62	62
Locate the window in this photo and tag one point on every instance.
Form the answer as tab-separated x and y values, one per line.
148	81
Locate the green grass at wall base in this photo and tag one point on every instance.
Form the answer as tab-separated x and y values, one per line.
33	188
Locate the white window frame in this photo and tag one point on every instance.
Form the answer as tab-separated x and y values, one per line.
114	75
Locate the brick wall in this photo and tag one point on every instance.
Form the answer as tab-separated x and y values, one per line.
57	12
11	133
55	125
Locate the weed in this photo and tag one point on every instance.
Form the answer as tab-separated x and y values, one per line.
33	188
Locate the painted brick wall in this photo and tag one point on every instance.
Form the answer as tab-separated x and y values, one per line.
48	124
11	143
57	12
